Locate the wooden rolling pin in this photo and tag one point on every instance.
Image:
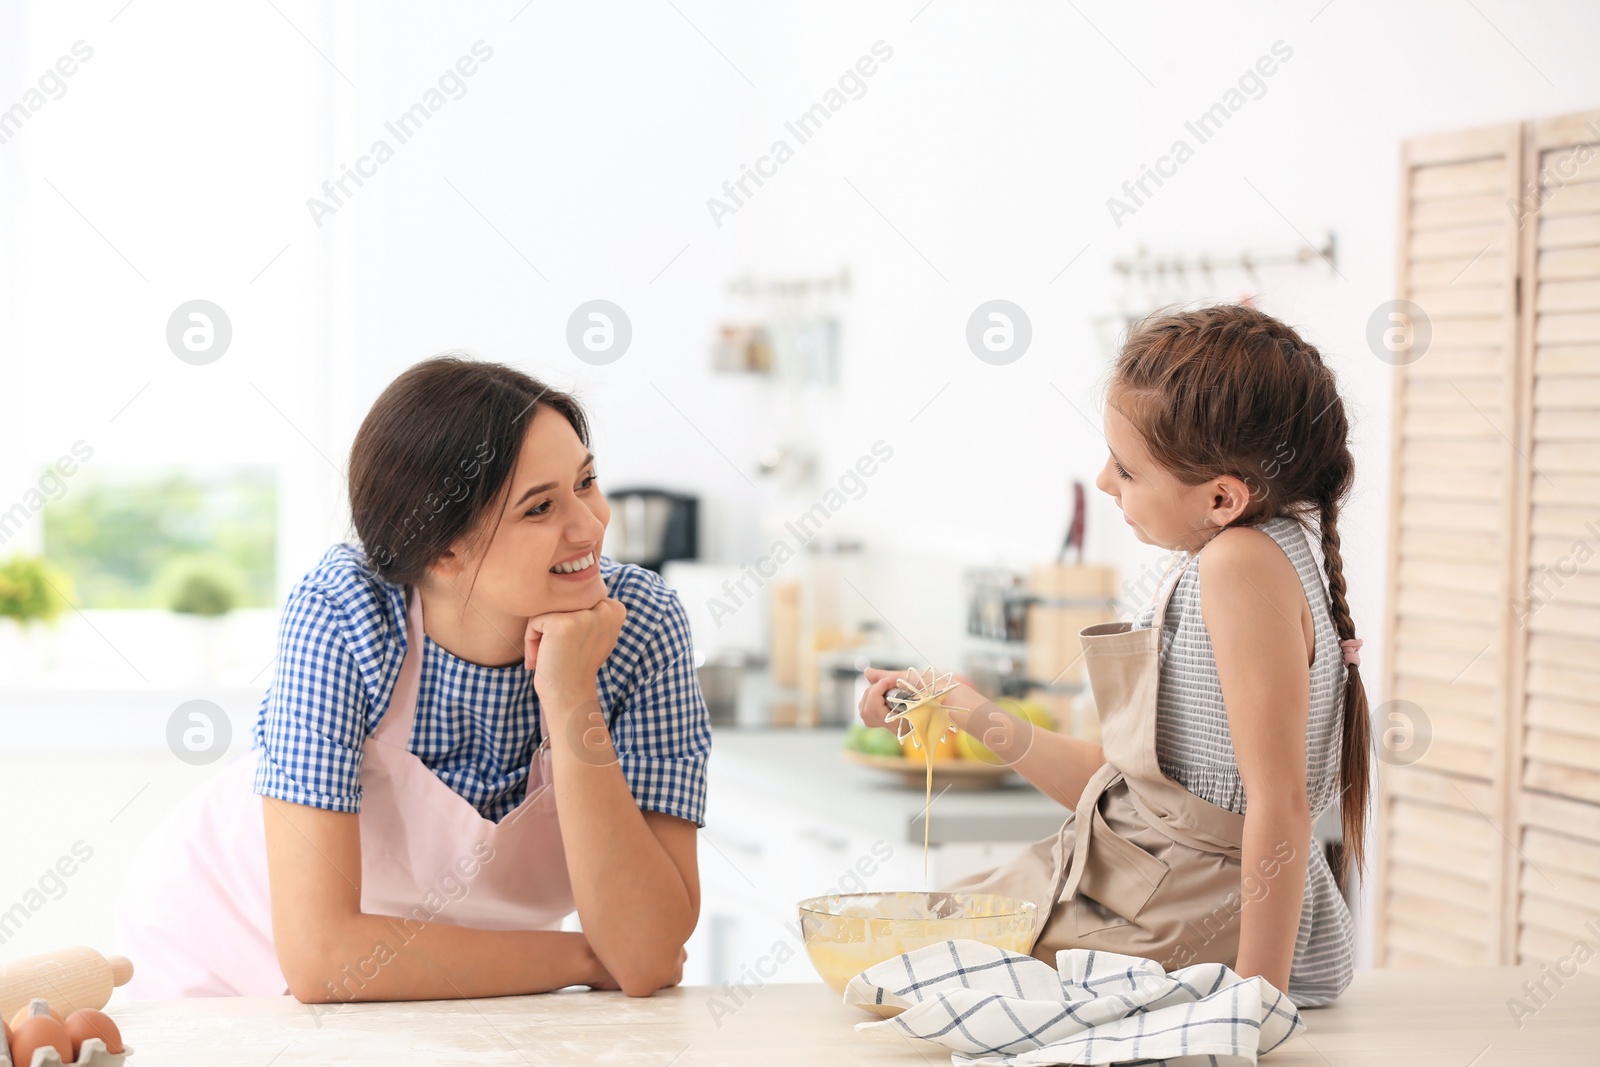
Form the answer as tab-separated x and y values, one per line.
69	978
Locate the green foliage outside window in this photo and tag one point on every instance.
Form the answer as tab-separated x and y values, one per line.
197	540
32	590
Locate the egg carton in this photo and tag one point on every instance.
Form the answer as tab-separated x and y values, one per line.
92	1054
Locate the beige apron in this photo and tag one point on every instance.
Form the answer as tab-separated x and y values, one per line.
1143	866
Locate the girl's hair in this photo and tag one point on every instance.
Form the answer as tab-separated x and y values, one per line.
1231	390
434	456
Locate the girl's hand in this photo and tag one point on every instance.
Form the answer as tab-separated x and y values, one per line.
567	648
874	707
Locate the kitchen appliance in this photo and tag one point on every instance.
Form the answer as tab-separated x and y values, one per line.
651	526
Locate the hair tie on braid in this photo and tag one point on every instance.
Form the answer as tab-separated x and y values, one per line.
1352	651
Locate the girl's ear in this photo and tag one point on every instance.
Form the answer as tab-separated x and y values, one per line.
1230	497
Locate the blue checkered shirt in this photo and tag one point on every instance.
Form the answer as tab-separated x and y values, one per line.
341	640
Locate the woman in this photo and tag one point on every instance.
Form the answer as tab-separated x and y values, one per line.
478	723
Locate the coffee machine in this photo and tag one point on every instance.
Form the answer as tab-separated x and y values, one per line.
651	526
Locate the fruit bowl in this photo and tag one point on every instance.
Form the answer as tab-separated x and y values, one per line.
955	773
960	760
845	933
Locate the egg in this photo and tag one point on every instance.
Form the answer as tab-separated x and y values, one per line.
86	1023
22	1013
39	1031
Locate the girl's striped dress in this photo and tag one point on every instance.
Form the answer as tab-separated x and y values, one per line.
1195	749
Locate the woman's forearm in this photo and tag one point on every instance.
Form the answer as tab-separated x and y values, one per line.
1272	886
632	899
330	950
382	957
1058	765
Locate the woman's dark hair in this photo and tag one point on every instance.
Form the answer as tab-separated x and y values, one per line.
1230	390
434	457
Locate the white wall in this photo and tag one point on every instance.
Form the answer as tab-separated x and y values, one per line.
990	140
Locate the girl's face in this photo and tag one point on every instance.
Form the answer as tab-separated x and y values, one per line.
554	515
1162	510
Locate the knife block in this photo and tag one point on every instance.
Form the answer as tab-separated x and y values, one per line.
1063	599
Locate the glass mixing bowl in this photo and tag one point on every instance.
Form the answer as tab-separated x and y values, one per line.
845	933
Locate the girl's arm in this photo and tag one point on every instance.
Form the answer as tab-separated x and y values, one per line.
1253	605
1058	765
330	951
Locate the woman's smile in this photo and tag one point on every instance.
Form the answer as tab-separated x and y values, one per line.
587	564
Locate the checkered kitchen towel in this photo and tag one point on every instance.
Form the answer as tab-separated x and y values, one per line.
997	1007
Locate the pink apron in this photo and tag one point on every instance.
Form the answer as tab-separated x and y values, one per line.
195	913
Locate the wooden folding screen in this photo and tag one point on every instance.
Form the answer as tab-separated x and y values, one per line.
1488	834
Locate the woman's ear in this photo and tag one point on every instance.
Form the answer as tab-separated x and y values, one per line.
450	563
459	561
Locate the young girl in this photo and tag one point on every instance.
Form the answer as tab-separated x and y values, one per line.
1232	711
478	723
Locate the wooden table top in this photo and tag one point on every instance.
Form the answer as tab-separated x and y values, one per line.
1408	1018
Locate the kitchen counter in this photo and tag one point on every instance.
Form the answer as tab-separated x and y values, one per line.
1407	1018
805	767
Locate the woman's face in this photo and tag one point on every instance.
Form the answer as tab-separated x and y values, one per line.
554	515
1162	510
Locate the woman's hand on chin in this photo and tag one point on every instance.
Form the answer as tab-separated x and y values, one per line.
567	648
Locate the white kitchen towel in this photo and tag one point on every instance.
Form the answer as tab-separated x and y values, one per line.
995	1007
